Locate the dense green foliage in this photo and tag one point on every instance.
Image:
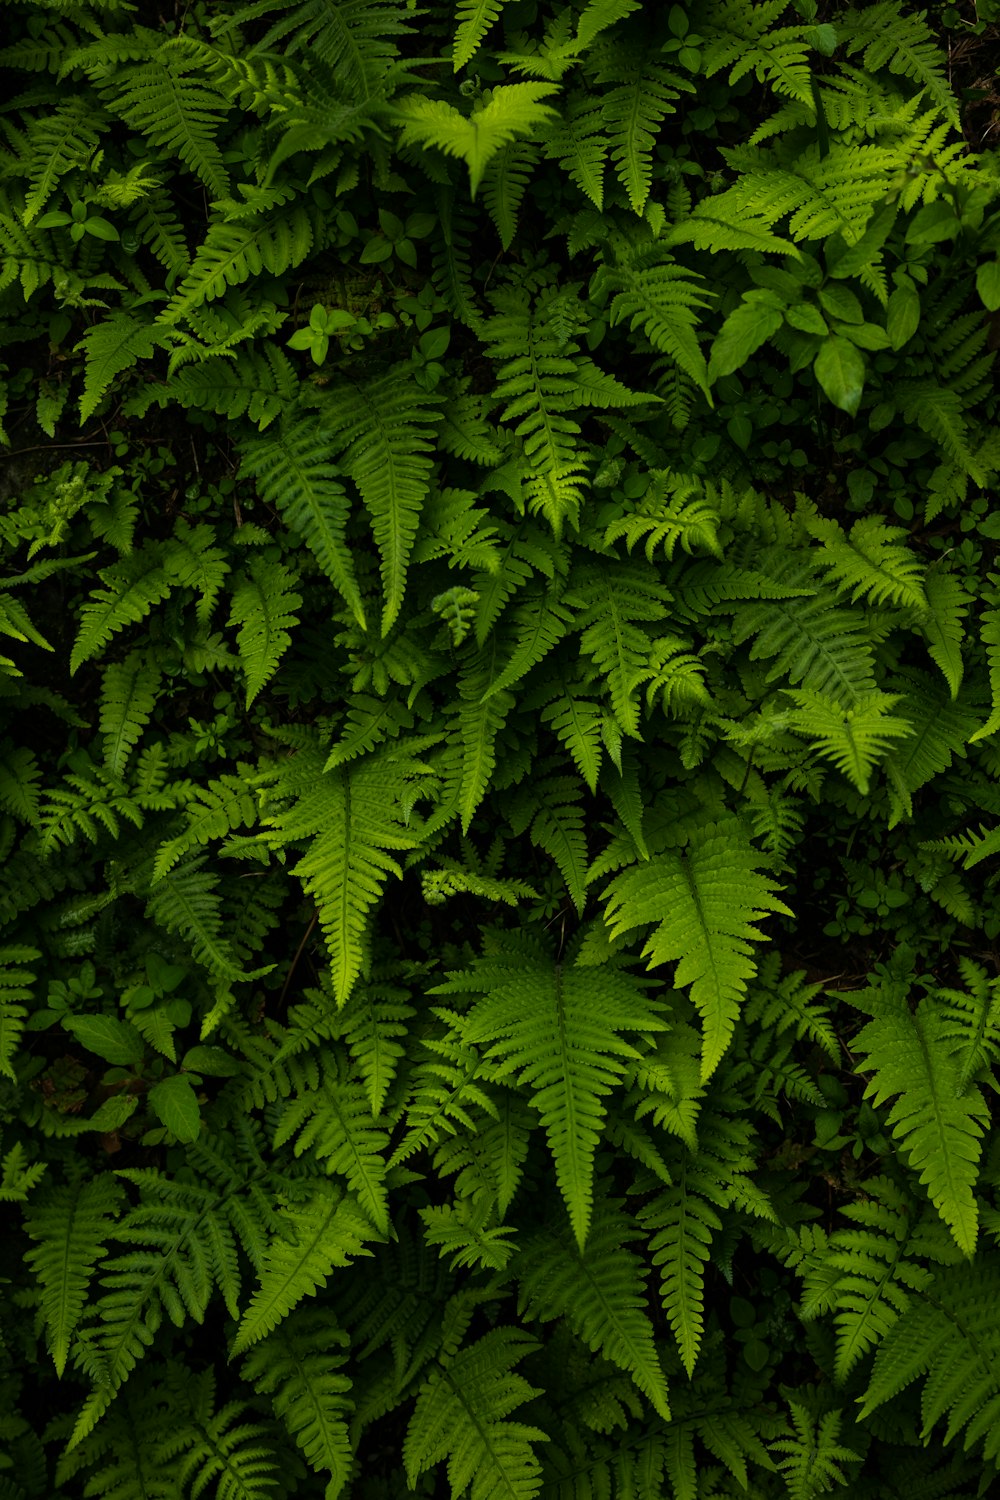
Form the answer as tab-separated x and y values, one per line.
500	757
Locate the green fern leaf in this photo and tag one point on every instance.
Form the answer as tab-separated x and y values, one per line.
69	1226
20	777
947	606
600	1291
186	900
904	43
684	1223
745	39
129	693
853	738
578	723
298	1366
813	1453
232	253
633	112
353	816
474	17
558	1030
158	227
263	606
131	588
15	988
336	1125
871	561
505	184
218	1443
704	905
951	1336
378	430
579	144
940	1131
61	140
294	474
479	722
989	634
182	1239
327	1230
514	109
110	347
941	730
868	1273
462	1415
614	605
197	565
213	811
175	112
558	828
813	640
259	383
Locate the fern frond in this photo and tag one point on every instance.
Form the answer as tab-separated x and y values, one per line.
558	1031
578	722
744	38
70	1226
20	776
232	253
353	39
219	1445
613	605
867	1273
633	111
213	811
174	110
15	988
380	432
157	226
682	1221
939	1130
462	1414
871	562
197	564
600	1291
853	738
263	606
704	904
577	141
474	17
60	139
299	1366
259	383
941	626
813	640
294	474
903	43
182	1239
335	1124
463	1231
951	1336
505	184
327	1230
354	815
514	109
941	729
813	1453
558	828
131	588
186	900
85	804
129	694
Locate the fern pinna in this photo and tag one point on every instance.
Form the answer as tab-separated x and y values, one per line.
498	773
